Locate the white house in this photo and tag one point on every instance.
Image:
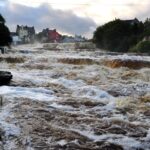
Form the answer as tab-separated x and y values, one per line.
16	40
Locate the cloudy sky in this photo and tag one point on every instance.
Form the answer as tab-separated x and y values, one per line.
71	16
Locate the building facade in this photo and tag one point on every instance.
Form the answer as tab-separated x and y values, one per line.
26	34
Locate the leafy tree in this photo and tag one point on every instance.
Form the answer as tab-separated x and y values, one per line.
5	38
146	27
118	35
2	20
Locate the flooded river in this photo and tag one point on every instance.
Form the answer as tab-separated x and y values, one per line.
64	98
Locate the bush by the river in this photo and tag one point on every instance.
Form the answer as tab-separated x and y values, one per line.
141	47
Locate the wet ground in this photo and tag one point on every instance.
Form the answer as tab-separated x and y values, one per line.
64	98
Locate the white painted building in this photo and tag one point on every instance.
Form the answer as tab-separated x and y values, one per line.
16	40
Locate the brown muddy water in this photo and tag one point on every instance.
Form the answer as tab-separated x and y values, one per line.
67	98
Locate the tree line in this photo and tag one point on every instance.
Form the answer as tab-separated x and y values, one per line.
124	36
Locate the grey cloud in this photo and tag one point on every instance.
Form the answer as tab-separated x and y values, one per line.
45	16
143	15
140	10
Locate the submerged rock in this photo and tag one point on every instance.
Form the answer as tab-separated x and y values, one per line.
132	64
108	146
5	77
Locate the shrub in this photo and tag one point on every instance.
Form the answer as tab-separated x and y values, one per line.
142	47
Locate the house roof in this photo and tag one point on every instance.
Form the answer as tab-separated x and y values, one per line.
132	21
31	30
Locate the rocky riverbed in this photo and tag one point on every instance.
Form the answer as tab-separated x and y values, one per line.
63	97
